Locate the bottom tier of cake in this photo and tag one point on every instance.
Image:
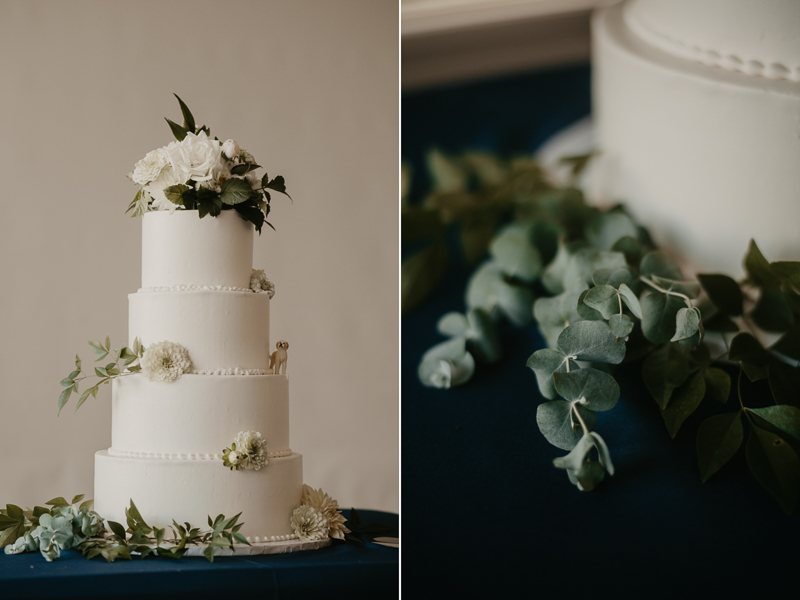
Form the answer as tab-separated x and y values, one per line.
191	490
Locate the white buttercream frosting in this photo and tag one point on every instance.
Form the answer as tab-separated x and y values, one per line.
169	456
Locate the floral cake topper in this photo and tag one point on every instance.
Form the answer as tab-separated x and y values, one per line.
199	172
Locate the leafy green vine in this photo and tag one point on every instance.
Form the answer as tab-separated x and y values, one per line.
601	293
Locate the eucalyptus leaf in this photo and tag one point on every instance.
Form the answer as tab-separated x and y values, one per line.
620	326
556	423
783	416
590	475
553	275
607	228
488	289
453	324
660	264
575	458
592	341
718	384
687	288
514	253
663	370
589	387
482	338
630	300
659	312
775	465
687	323
684	402
603	454
614	277
723	292
446	365
544	363
758	268
583	263
586	312
604	299
631	248
554	314
718	439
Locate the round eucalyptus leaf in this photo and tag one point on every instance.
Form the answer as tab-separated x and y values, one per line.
620	326
592	341
583	264
658	316
593	389
553	275
659	264
590	475
602	452
514	253
687	322
687	288
556	423
586	312
488	289
446	365
553	314
609	227
482	337
603	298
575	458
544	363
614	277
453	324
630	300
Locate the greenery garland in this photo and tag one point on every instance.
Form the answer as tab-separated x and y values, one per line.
601	294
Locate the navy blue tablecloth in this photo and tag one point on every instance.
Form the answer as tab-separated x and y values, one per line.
486	513
338	571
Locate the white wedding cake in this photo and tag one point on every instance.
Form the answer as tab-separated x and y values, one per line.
697	109
167	437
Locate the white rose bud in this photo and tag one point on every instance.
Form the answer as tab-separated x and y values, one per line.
230	148
233	458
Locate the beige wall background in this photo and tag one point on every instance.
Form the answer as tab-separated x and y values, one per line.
311	89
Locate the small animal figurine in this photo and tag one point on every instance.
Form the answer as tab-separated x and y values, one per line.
279	358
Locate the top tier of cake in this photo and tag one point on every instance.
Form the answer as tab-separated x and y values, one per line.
757	37
180	249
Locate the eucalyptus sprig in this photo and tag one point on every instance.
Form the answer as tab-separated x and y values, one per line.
128	357
67	525
612	296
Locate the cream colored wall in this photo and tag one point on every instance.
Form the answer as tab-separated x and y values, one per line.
311	89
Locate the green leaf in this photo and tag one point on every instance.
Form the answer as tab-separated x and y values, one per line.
789	343
64	398
659	312
70	379
592	341
604	231
720	323
787	271
784	382
244	168
603	454
557	426
784	417
78	498
544	364
446	365
775	466
630	300
589	387
620	326
660	264
583	264
175	193
453	323
117	529
772	311
554	314
687	288
723	292
57	502
482	337
663	370
235	191
553	276
514	253
188	119
178	131
604	299
574	460
687	323
101	371
421	272
758	268
92	390
589	476
276	184
718	384
488	289
139	204
614	277
77	362
684	402
585	311
718	439
746	348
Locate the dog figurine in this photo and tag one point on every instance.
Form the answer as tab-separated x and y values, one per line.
279	358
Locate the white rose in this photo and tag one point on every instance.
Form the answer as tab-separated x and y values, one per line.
230	148
149	168
195	157
166	178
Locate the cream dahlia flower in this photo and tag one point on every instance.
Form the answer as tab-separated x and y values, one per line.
329	509
253	449
260	284
165	361
309	524
149	168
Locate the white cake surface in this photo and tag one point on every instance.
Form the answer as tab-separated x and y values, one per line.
191	490
705	156
221	330
183	249
198	415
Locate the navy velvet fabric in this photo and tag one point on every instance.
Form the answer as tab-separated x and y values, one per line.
338	571
486	513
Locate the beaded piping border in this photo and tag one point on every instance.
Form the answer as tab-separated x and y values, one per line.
233	371
192	456
272	538
196	288
709	56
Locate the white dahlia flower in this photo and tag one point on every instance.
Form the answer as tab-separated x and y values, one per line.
253	449
149	168
309	524
155	188
165	361
195	157
260	284
329	509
